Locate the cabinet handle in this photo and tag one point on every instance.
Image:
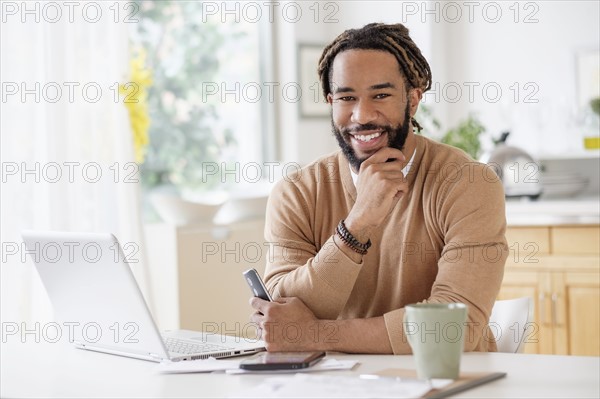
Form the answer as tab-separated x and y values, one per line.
554	299
542	299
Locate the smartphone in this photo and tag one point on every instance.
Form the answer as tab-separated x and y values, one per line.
282	360
256	285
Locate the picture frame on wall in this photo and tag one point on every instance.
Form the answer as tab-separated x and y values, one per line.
311	103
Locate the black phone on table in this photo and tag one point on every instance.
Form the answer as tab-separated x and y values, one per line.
257	285
282	360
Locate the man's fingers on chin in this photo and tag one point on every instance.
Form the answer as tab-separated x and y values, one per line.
390	153
379	156
376	158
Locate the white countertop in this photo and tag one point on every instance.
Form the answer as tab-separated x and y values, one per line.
33	369
553	212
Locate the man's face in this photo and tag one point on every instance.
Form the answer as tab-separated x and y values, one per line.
370	103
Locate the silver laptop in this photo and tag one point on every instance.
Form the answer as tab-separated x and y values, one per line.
95	295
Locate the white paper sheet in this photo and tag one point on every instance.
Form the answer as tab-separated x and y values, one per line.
198	366
324	386
323	365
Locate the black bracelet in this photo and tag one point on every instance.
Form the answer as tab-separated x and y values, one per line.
347	243
350	240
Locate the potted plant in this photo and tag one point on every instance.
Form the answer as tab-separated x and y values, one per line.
465	136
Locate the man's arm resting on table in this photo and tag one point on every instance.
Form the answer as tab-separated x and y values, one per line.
359	336
288	325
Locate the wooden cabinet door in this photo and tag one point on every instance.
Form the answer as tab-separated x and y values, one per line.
575	240
576	313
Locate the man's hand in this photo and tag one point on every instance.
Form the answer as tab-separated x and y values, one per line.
380	186
289	325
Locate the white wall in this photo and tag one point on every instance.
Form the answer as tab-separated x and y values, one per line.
462	52
298	138
540	53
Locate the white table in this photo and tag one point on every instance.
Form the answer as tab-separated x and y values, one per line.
59	370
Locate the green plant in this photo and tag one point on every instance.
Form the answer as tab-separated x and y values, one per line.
466	136
595	104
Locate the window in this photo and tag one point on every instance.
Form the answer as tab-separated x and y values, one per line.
206	102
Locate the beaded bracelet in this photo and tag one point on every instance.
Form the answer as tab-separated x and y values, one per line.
350	240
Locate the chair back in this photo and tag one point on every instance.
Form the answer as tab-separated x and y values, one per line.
508	322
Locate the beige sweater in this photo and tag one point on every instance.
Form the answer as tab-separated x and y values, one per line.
443	242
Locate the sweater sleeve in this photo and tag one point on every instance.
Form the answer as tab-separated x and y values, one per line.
322	277
469	211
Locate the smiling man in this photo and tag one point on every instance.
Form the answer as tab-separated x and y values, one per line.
392	219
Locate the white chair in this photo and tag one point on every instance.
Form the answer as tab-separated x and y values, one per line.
508	322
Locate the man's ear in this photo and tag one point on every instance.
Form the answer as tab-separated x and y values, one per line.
414	96
330	99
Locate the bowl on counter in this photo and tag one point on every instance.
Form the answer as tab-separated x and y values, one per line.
186	210
562	185
242	208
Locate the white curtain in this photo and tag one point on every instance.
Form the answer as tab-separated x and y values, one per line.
66	143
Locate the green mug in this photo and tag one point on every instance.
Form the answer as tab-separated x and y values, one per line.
436	334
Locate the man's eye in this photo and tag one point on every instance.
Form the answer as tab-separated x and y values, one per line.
382	95
346	98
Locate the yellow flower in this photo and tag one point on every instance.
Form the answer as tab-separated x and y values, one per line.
136	102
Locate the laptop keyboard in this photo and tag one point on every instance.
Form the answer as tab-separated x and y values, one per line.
186	347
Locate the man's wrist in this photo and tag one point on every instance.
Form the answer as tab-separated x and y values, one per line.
351	241
361	232
327	335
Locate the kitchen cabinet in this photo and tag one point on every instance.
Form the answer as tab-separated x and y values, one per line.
559	268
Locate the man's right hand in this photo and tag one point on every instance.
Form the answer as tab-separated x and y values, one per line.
379	188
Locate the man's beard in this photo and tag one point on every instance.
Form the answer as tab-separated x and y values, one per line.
396	137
